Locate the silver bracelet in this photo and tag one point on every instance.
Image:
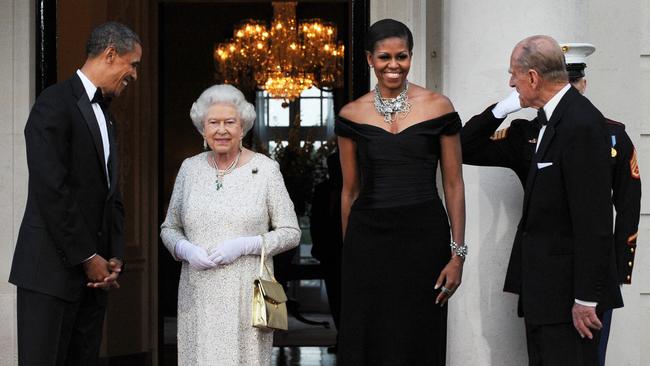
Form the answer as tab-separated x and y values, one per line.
459	250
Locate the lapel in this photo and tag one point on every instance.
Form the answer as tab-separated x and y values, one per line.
547	139
83	103
112	158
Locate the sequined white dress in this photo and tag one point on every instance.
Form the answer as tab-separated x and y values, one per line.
214	306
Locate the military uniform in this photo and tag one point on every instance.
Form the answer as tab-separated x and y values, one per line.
626	198
514	147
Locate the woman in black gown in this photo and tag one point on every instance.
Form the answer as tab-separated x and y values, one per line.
399	267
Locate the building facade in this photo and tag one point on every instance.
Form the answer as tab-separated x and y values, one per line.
462	49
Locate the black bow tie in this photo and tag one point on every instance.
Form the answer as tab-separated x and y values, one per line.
99	99
541	117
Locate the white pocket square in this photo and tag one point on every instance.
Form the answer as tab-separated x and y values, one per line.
543	165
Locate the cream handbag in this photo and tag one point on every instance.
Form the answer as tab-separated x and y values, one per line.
269	300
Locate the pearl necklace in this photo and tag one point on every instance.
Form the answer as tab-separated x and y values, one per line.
221	173
387	106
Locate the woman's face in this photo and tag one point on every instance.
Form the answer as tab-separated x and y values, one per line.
222	128
391	60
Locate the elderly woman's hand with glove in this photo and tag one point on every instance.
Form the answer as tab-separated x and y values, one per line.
231	249
225	253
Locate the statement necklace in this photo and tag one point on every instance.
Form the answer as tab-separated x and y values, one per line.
387	106
221	173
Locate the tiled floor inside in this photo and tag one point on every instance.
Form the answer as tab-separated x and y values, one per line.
302	345
303	356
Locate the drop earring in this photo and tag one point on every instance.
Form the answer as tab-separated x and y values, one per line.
205	145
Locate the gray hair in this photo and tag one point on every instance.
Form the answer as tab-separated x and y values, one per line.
544	55
113	34
223	94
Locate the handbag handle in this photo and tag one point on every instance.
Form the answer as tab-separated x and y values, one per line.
263	262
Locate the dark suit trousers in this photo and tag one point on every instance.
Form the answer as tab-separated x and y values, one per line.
560	345
52	331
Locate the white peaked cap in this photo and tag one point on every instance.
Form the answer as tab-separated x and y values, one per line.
576	53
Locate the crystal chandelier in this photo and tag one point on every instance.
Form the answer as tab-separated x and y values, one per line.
284	59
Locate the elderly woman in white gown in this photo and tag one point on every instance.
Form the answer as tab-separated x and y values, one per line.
227	203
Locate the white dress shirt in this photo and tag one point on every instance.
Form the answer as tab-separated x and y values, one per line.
549	108
101	120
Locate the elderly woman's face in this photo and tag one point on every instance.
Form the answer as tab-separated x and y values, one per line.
222	128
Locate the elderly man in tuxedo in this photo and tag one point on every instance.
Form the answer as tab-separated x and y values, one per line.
513	147
71	241
562	263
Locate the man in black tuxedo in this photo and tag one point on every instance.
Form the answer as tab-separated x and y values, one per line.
513	147
562	263
71	241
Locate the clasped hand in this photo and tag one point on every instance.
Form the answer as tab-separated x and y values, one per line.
101	273
223	254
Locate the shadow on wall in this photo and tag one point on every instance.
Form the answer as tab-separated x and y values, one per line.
500	202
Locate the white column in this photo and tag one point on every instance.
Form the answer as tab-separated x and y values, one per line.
413	14
16	97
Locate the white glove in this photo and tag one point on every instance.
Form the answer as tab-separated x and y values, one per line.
509	105
196	256
231	249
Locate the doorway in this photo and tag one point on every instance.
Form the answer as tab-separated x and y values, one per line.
187	34
155	133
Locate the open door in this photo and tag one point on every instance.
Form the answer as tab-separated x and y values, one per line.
130	331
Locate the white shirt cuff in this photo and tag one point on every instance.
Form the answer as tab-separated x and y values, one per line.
89	258
586	303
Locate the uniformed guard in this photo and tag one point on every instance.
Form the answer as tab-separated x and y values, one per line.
626	183
514	146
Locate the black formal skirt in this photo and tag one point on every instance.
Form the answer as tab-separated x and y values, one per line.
391	260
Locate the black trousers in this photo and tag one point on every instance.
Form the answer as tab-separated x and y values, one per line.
560	345
52	331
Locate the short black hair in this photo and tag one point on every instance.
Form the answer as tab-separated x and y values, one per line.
113	34
576	71
388	28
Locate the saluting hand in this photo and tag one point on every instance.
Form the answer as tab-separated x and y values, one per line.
509	105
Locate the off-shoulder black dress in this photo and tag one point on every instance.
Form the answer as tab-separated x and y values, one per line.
396	244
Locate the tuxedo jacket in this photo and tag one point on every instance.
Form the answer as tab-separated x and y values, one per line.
514	148
563	248
71	212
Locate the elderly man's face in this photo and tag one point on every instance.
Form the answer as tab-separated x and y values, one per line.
522	81
222	129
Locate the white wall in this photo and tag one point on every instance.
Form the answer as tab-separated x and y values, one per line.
473	55
16	96
476	41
